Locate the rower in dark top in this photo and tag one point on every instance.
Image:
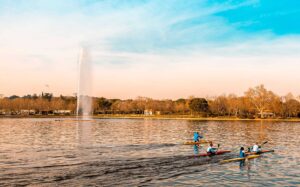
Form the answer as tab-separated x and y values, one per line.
242	153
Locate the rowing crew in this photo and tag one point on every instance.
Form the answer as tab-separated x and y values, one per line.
212	150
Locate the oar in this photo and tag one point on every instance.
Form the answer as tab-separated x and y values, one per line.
218	147
264	143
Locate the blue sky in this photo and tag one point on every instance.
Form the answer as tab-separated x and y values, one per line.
136	39
278	17
153	25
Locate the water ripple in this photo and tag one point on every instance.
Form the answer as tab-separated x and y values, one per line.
115	152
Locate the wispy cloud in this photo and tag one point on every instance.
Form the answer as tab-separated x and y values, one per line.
139	47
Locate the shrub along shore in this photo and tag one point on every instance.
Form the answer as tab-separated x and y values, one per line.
153	117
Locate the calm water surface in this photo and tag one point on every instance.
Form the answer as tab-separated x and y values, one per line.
126	152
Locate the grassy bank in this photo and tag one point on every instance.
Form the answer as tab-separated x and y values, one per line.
166	117
189	117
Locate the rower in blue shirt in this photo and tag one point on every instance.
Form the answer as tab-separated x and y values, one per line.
242	153
197	137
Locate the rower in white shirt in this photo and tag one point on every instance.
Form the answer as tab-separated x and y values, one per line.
255	148
212	150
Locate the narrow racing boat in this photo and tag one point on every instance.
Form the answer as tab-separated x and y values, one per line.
209	154
196	143
260	152
240	159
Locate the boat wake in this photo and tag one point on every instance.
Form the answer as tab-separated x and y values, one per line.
112	171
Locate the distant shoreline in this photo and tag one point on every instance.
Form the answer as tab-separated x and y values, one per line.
158	117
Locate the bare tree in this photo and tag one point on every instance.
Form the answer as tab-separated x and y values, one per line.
260	98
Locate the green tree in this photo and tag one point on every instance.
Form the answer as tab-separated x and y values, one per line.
47	96
13	97
104	104
198	105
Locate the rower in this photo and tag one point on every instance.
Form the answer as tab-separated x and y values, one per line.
197	137
242	156
211	149
255	148
242	153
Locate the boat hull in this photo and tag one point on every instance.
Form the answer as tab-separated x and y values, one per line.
258	153
240	159
196	143
209	154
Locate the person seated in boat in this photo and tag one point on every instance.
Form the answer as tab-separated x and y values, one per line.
242	153
255	148
197	137
211	149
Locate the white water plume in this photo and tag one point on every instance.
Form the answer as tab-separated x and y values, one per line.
84	98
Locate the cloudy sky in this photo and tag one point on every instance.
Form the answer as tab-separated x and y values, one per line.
158	49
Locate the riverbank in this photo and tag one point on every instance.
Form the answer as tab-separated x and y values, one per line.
189	117
159	117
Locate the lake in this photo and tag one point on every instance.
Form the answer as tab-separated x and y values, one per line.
144	152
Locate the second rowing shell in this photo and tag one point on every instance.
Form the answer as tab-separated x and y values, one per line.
240	159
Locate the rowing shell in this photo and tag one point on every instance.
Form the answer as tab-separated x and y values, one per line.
209	154
240	159
258	153
196	143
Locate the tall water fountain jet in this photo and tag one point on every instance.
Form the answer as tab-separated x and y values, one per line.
84	95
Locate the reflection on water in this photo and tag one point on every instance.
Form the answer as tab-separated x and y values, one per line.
84	132
136	152
196	149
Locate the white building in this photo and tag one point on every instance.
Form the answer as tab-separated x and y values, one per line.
148	112
2	112
62	112
27	112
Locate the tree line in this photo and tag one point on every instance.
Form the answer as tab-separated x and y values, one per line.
256	102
